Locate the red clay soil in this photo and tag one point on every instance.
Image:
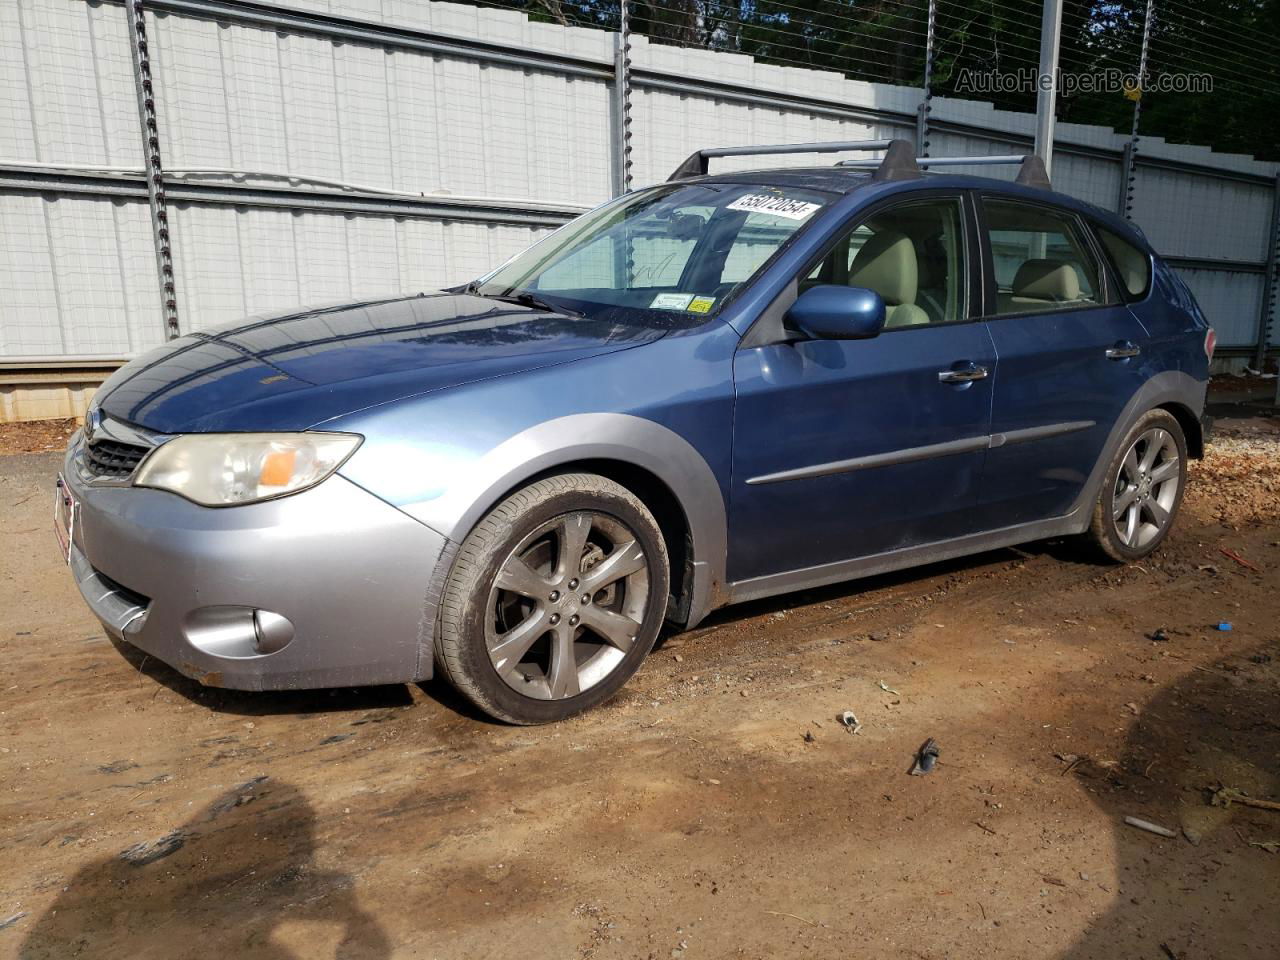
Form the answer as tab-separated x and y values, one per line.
715	808
36	436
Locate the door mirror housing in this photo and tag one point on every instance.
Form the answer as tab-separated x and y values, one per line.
833	312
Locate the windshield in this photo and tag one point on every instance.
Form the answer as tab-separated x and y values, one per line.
665	256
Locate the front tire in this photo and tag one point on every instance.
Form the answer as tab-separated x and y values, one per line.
1142	489
554	600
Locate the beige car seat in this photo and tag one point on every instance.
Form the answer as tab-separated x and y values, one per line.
1041	285
887	264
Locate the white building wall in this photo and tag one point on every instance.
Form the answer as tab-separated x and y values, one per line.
77	277
66	84
1232	300
251	99
255	261
77	272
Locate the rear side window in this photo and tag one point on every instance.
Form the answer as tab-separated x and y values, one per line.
1131	263
1041	258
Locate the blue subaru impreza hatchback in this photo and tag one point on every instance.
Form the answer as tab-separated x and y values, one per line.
715	389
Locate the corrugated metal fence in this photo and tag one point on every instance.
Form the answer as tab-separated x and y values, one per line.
333	150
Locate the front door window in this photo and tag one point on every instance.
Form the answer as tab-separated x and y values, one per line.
912	255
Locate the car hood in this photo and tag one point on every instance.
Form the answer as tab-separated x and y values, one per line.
296	370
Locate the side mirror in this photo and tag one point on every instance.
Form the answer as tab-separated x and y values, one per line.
832	312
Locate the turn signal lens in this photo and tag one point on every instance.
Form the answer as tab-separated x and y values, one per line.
277	468
224	469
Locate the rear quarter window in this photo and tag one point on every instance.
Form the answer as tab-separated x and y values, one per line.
1132	265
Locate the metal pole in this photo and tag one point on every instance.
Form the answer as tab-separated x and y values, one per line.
151	156
1269	287
1047	81
622	101
922	114
1128	185
1124	202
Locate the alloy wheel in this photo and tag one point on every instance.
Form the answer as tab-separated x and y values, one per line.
1146	488
567	605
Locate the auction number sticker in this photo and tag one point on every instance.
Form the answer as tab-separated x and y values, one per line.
671	301
775	206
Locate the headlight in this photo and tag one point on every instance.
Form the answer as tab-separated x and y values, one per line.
222	469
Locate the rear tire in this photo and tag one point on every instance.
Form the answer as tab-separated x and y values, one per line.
1142	489
554	600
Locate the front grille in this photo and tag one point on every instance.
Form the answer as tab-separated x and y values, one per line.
111	458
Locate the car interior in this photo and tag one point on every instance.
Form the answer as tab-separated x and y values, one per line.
1041	262
910	255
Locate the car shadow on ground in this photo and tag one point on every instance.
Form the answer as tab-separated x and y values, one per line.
1207	892
238	879
250	703
1068	550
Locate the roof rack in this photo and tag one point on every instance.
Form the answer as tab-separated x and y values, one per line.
898	162
1031	171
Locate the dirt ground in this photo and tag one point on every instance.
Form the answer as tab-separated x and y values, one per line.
716	808
36	436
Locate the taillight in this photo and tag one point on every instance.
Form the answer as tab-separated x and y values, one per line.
1210	341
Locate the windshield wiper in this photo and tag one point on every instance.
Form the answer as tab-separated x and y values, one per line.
527	299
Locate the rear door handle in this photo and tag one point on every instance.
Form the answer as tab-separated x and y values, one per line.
1123	350
963	374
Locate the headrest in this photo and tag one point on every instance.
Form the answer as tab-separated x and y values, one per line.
887	264
1047	280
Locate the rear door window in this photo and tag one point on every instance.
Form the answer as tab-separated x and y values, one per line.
1041	257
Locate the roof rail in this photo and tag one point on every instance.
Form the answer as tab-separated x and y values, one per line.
1031	171
897	163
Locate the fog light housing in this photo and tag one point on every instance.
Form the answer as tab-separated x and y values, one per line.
237	633
273	632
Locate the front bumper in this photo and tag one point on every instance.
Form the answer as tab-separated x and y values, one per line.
349	572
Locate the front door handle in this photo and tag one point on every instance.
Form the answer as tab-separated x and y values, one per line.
1123	350
963	374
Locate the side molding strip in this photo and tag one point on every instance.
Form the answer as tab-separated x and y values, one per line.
927	452
910	454
1040	433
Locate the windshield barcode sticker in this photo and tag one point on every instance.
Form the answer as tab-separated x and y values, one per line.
671	301
774	206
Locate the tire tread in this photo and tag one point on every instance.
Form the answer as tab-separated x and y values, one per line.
496	527
1100	533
